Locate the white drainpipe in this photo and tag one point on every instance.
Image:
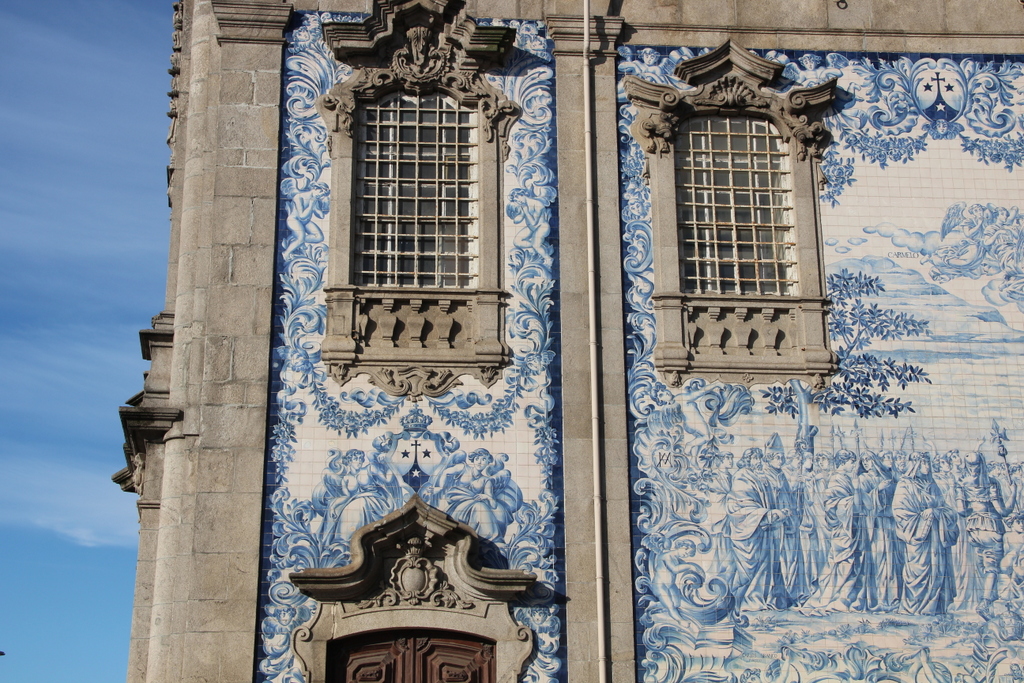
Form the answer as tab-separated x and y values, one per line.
600	553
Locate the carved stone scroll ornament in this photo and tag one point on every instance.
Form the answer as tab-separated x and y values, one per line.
417	580
420	47
418	569
730	80
413	381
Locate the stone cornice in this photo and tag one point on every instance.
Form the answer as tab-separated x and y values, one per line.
124	476
142	425
161	335
835	39
567	33
252	21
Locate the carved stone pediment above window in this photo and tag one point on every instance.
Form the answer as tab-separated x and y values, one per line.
730	80
420	47
417	135
733	170
415	569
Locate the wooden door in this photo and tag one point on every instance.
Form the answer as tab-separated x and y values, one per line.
411	656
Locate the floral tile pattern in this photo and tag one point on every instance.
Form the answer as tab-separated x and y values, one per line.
342	456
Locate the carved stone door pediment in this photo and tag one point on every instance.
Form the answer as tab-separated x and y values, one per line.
415	569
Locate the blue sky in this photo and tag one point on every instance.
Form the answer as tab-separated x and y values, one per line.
83	229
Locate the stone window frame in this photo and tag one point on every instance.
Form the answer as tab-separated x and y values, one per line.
417	341
748	338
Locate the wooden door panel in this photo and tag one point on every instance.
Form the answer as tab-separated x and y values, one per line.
411	656
374	662
449	660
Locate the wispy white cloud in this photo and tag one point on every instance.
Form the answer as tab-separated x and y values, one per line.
65	388
923	243
83	231
62	496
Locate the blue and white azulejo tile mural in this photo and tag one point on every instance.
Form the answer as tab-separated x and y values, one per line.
871	529
342	456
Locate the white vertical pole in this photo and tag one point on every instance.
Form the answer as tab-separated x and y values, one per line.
600	554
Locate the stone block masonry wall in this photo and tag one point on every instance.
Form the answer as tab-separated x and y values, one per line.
224	193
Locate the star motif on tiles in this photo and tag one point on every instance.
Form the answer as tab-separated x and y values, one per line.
928	87
940	107
949	88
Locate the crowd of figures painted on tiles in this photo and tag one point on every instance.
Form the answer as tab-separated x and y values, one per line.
893	529
855	544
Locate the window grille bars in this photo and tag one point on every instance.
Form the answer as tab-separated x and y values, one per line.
416	194
734	208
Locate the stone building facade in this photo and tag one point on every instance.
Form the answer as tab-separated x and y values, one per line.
399	427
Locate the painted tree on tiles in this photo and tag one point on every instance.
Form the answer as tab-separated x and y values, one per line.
864	379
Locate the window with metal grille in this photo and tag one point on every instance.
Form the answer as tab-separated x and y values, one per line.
734	206
416	185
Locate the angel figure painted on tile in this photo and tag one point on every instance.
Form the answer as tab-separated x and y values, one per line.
307	201
649	64
811	69
355	490
476	489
